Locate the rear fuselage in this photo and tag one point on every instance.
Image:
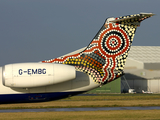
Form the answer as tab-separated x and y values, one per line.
80	84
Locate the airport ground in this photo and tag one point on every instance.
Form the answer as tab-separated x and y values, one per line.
85	115
103	100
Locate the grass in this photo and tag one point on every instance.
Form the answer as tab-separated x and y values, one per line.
85	115
105	100
109	100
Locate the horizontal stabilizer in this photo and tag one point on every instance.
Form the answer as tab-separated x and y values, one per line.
132	19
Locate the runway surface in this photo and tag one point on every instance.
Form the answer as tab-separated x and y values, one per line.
79	109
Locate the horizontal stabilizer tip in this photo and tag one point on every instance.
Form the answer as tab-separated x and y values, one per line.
147	14
132	19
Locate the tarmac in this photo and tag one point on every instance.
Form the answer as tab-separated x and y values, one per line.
78	109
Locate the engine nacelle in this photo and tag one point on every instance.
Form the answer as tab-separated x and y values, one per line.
26	75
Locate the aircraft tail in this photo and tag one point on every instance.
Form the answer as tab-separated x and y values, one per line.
104	58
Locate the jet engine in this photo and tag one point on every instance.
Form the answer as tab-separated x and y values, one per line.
27	75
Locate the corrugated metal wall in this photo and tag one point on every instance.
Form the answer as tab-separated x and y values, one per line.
154	85
151	85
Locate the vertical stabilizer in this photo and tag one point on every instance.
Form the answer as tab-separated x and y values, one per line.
104	58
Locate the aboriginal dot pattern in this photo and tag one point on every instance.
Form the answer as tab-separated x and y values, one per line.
104	58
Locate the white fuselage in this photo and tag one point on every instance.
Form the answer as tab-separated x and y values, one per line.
81	83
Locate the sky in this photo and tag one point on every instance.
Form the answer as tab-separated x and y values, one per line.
37	30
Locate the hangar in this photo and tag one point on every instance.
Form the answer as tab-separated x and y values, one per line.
142	69
142	72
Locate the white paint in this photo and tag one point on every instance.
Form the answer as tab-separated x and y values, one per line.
82	82
26	75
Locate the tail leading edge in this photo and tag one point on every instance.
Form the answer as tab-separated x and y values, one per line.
104	58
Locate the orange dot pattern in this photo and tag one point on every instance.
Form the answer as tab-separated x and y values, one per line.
93	61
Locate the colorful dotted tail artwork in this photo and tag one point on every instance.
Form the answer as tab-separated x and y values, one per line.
104	58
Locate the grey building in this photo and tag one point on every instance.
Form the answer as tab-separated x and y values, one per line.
142	69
